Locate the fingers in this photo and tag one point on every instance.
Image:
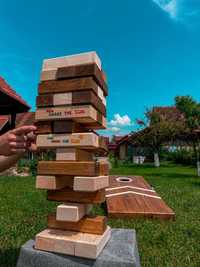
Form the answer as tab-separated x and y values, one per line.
24	130
18	145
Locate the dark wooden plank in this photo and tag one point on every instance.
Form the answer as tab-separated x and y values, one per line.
67	194
69	85
135	198
86	70
80	168
88	224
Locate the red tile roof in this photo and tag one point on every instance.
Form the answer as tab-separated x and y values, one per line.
6	89
3	121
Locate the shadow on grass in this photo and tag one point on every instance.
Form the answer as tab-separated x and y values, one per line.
9	257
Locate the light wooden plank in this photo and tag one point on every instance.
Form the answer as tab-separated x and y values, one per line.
62	99
72	243
72	60
78	113
53	182
90	184
73	154
72	212
84	140
88	224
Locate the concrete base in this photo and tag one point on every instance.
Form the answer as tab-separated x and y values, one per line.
120	251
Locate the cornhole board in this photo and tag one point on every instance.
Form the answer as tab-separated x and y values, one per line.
132	196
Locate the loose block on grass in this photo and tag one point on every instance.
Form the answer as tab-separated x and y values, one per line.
75	98
71	212
68	195
73	154
88	224
82	140
90	184
120	251
72	243
79	168
72	60
54	182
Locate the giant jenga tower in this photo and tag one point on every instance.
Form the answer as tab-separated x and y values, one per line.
71	104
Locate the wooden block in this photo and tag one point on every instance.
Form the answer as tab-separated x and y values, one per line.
67	194
79	168
73	154
43	127
70	85
90	184
83	114
71	212
67	126
54	182
72	60
87	70
93	225
72	98
72	243
82	140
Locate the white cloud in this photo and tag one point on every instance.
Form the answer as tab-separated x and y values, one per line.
120	121
169	6
114	129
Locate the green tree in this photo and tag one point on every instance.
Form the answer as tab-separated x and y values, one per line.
191	111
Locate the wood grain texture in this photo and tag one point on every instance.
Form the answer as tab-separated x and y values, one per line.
68	195
72	60
93	225
70	85
71	212
72	243
87	70
79	140
54	182
135	198
83	114
90	184
74	154
75	98
79	168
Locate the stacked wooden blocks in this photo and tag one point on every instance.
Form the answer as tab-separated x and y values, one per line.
71	104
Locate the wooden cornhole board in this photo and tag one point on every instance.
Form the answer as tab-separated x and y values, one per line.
132	196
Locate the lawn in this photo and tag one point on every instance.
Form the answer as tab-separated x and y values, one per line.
23	213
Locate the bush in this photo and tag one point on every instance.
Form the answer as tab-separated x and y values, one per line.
182	157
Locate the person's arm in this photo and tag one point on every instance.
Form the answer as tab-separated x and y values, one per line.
7	162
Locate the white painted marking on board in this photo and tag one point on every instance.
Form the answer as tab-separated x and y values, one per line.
134	193
129	187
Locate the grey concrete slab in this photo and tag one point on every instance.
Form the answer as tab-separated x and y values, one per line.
120	251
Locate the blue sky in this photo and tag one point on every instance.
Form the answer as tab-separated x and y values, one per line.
150	49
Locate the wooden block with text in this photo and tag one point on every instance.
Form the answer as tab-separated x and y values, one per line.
88	224
69	195
79	140
72	212
72	243
79	168
90	184
54	182
74	154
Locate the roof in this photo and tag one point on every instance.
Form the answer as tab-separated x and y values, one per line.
10	100
3	121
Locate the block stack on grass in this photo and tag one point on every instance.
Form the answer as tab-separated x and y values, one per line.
71	104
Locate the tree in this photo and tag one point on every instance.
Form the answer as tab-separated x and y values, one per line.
160	127
191	110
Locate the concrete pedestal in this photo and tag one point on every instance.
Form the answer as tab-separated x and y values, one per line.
120	251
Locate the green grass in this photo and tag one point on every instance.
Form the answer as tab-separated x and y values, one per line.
23	211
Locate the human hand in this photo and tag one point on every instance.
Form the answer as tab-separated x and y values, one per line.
16	141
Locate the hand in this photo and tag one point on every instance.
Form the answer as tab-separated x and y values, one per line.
16	141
